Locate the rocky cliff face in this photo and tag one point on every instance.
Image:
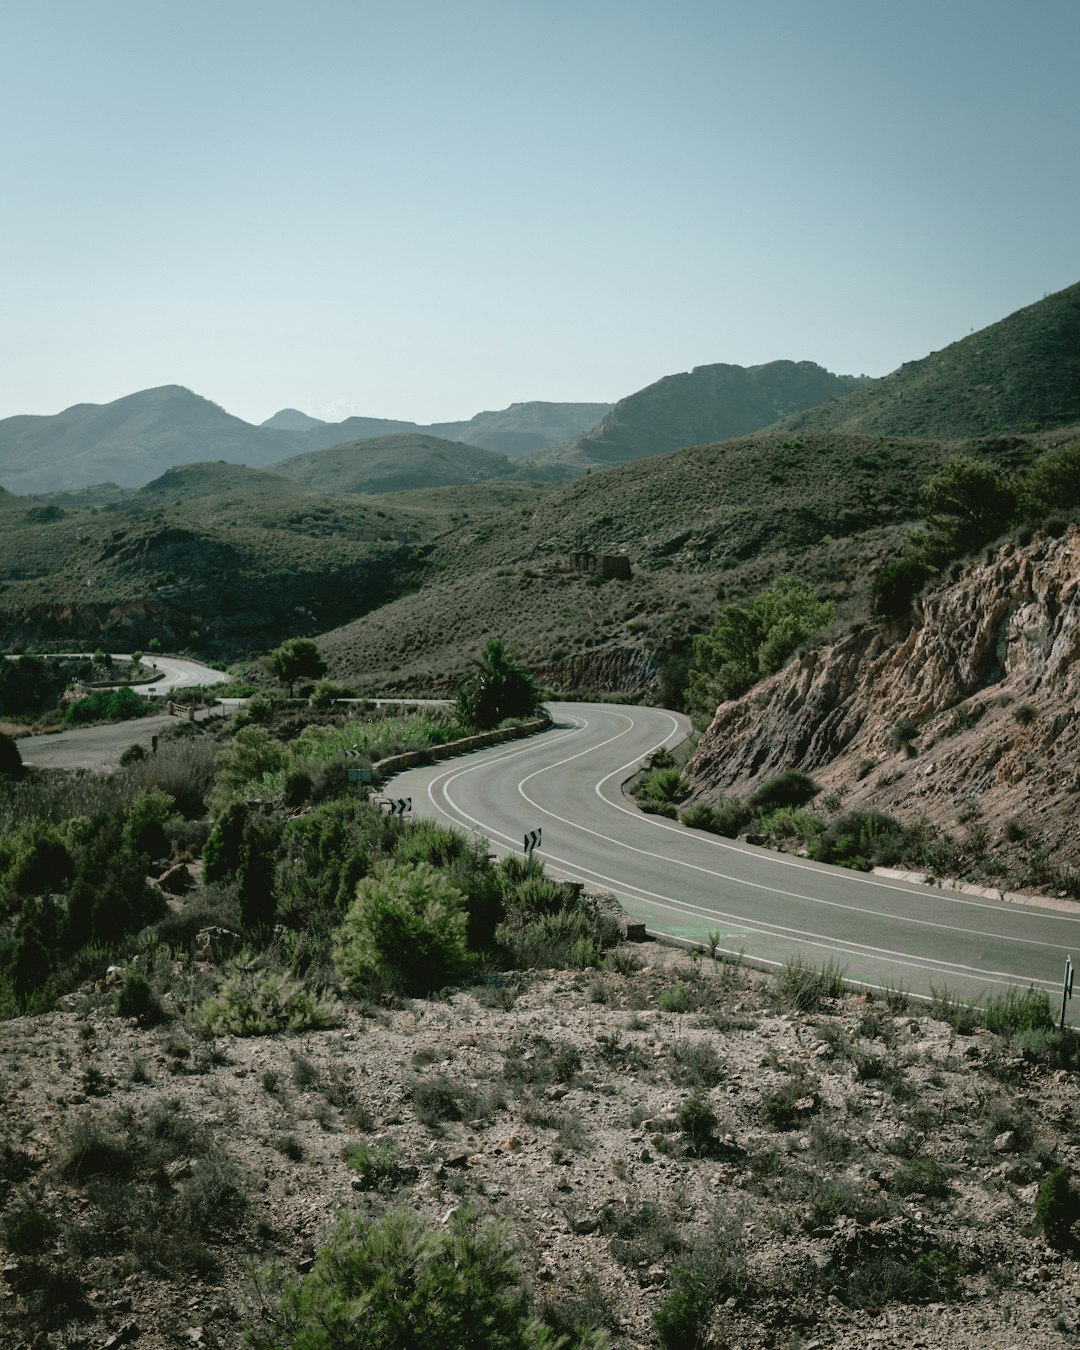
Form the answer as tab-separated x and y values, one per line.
988	672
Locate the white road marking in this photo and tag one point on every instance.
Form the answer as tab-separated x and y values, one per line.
455	813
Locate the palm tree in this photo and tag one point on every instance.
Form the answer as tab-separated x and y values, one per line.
497	688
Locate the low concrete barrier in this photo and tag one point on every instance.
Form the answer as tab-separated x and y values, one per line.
411	759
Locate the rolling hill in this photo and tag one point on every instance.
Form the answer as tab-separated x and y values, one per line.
1021	374
216	558
512	431
395	464
707	404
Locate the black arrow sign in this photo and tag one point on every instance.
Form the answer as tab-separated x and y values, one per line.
532	841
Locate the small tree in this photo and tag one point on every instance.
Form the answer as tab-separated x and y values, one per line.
297	659
497	688
967	504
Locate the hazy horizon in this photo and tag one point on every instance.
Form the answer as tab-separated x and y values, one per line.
425	212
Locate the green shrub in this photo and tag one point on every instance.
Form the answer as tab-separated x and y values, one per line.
28	1231
696	1121
789	1104
967	504
392	1282
326	693
256	1001
920	1176
378	1166
1025	713
496	689
791	788
248	767
1057	1208
10	758
297	788
896	585
1017	1010
696	1064
681	1319
882	1277
802	987
107	705
746	643
137	998
902	734
861	840
1053	482
144	826
407	924
662	785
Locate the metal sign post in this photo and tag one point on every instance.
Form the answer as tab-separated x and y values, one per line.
1066	990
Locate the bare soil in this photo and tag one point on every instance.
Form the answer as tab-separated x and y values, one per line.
847	1139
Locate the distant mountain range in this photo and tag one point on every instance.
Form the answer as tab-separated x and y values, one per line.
137	438
1019	375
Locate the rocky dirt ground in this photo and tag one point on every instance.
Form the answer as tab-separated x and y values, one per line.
869	1178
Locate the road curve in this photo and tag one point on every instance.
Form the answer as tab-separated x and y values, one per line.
688	884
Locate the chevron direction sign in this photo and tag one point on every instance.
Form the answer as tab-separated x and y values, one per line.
532	841
397	806
354	753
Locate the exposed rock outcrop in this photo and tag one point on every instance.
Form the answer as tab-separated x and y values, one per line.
988	672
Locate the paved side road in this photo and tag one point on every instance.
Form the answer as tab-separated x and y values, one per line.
97	747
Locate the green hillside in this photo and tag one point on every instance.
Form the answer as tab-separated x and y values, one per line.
225	573
1021	374
710	403
828	507
394	464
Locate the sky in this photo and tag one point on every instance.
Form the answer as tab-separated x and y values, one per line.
421	209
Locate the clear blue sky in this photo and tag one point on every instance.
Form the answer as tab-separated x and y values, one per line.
421	209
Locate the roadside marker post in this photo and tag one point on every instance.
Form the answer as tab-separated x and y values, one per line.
532	841
1066	990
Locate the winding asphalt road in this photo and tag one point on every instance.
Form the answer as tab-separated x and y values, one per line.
688	884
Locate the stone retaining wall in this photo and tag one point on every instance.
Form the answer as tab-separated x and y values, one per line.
411	759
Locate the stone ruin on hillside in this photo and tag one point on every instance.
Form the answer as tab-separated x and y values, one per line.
604	565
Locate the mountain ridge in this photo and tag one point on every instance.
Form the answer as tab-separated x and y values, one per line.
1017	375
707	404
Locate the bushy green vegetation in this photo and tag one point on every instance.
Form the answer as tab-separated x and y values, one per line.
969	503
1057	1209
10	758
407	925
253	1000
749	641
390	1282
497	688
107	705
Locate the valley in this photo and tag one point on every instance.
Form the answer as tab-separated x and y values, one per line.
809	644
